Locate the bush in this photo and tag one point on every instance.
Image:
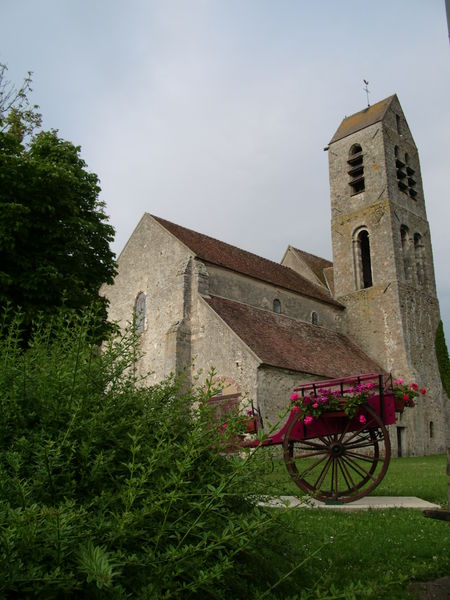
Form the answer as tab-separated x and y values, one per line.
113	488
443	358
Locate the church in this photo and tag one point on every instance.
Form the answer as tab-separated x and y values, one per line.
265	327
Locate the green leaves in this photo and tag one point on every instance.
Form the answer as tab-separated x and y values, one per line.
54	234
110	487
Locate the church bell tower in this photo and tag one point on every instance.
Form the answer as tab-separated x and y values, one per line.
383	262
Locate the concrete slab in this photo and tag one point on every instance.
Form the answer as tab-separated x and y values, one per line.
366	503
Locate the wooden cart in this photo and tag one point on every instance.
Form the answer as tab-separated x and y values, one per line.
337	458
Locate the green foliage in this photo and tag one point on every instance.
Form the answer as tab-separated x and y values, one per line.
54	234
17	115
111	488
443	358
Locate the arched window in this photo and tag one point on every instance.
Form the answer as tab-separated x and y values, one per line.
139	312
362	259
431	429
419	255
356	169
406	251
314	318
276	306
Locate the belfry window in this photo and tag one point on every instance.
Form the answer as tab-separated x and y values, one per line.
406	179
139	312
411	178
276	306
355	162
314	318
362	259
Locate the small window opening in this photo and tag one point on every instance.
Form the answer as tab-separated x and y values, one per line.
276	306
314	318
356	169
400	438
431	429
139	312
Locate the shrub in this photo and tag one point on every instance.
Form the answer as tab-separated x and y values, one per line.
443	358
114	488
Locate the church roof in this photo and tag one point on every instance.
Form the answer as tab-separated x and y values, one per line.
286	343
228	256
315	263
362	119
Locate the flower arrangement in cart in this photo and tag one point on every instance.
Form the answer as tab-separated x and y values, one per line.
322	401
404	394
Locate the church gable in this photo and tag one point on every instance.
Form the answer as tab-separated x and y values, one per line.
308	265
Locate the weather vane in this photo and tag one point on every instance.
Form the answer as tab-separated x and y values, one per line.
366	89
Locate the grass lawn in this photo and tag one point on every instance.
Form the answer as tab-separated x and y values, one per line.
376	553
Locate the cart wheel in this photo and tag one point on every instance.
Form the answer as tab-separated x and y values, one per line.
340	467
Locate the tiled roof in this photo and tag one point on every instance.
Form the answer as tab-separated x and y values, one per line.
362	119
280	341
315	263
224	255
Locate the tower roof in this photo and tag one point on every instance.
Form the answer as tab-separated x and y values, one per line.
362	119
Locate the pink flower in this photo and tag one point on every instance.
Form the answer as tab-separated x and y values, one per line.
222	427
306	400
423	391
315	405
414	387
294	396
399	381
362	419
295	408
307	420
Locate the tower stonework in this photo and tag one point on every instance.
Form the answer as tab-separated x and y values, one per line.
383	262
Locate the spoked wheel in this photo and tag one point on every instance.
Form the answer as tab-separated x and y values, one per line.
343	466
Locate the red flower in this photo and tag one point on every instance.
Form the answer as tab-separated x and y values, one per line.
423	391
405	397
294	396
414	387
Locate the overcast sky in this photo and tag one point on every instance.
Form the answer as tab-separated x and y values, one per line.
214	113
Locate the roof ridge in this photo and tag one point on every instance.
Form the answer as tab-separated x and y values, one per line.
311	254
253	265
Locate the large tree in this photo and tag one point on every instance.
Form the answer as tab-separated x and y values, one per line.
54	234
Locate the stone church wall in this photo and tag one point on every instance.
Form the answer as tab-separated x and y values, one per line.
215	345
154	263
241	288
274	390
